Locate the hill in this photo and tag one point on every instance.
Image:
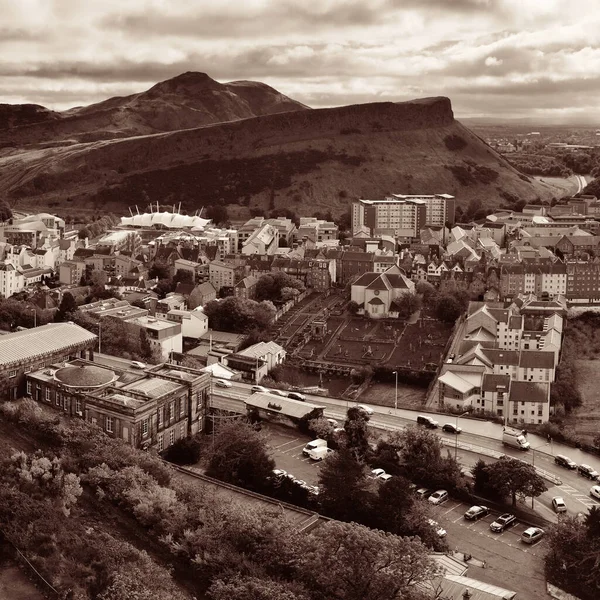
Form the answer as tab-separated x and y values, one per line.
304	160
186	101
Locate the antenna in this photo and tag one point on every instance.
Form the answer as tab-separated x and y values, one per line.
131	214
137	209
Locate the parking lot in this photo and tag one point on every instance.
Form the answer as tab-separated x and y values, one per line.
286	446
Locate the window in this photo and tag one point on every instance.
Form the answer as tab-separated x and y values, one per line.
161	412
144	427
171	437
78	406
181	407
171	410
12	373
109	424
29	388
182	431
161	443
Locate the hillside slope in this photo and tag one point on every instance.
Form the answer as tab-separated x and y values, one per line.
305	161
186	101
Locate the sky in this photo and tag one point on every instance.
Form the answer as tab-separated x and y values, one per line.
500	59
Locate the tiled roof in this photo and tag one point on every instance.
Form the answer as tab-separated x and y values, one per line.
529	391
41	341
536	359
503	357
492	382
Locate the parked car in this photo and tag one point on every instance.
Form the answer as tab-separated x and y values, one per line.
587	471
137	364
565	461
450	428
279	474
223	383
375	473
595	492
296	396
476	512
429	422
423	493
558	504
532	535
384	477
259	388
281	393
440	531
365	409
333	423
503	522
438	497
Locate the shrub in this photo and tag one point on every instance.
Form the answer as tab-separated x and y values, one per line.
185	451
455	142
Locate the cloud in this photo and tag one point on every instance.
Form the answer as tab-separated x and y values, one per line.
486	55
492	61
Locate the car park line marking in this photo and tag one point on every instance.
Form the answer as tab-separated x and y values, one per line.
286	443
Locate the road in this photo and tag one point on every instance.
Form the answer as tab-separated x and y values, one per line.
485	439
581	182
114	362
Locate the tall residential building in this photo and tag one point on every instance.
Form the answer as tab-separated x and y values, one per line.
439	208
398	218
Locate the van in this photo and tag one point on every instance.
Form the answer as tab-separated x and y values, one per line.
427	421
311	446
319	453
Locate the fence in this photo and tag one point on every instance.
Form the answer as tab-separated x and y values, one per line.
44	586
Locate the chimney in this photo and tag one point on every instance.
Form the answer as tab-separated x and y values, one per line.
466	595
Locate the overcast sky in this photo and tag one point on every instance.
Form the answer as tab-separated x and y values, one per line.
496	58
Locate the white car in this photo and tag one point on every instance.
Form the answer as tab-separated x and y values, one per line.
438	497
138	364
365	408
595	492
223	383
384	477
375	473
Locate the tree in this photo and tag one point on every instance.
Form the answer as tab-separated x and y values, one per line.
185	451
5	211
512	477
408	304
426	289
451	301
84	233
159	270
183	276
357	432
239	456
352	562
255	588
66	309
352	307
345	492
218	214
239	315
270	287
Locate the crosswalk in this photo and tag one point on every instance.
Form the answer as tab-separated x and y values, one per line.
585	499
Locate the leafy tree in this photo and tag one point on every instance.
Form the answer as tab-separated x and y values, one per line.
255	588
352	307
357	432
185	451
183	276
572	562
239	456
67	307
270	287
239	315
218	214
164	287
451	301
5	211
512	477
352	562
408	304
427	291
345	491
159	270
84	233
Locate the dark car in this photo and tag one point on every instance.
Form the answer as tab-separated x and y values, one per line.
503	522
451	428
297	396
565	461
476	512
587	471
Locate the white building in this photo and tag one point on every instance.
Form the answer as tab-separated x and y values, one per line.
11	279
194	323
263	241
164	335
273	354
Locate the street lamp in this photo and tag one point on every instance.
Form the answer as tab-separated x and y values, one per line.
533	462
456	433
396	395
34	316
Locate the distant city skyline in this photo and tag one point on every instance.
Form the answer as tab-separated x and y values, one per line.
495	59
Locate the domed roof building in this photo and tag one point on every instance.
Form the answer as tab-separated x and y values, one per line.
84	377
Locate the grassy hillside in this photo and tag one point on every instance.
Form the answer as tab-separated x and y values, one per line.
304	160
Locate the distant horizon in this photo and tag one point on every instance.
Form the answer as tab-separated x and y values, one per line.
493	58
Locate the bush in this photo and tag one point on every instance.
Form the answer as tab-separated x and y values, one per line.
185	451
455	142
